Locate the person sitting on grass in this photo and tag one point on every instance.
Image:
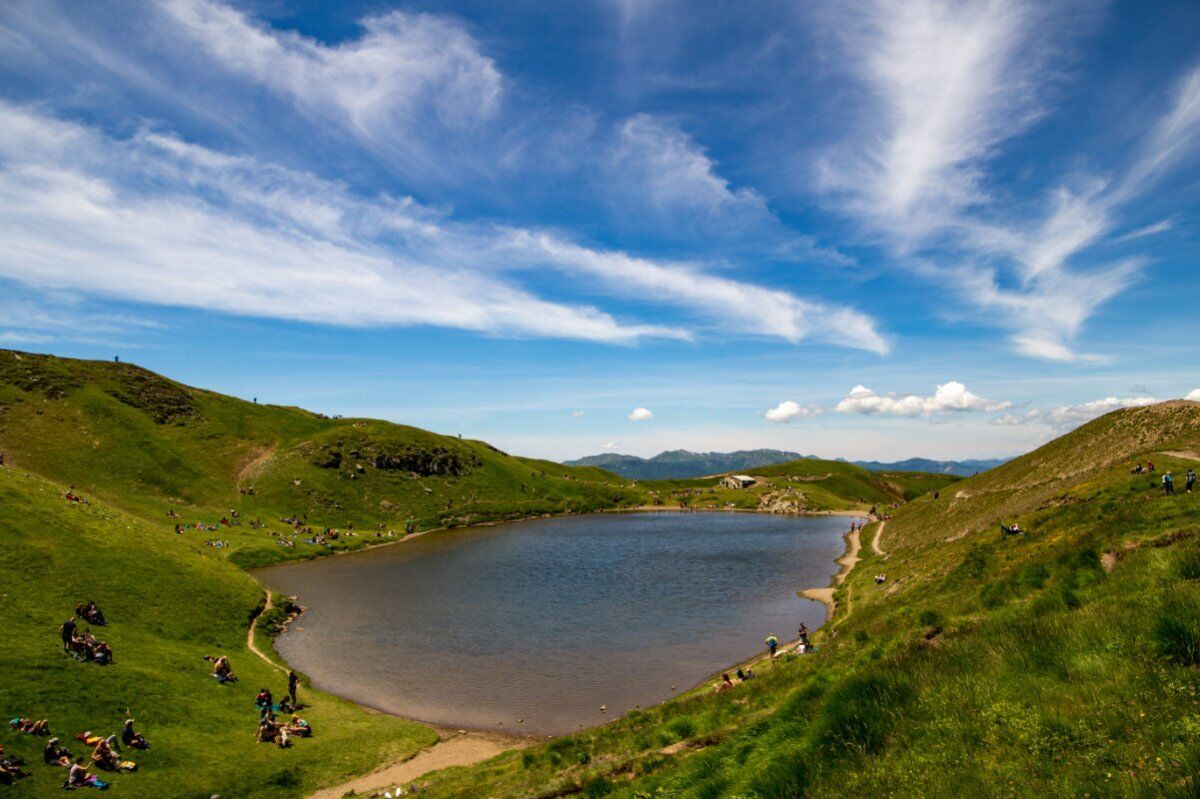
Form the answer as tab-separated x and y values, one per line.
30	726
748	674
104	757
286	706
222	672
55	755
10	773
79	776
298	727
91	613
264	700
724	685
1014	530
132	739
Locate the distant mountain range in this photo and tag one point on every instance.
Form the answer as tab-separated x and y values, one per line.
680	463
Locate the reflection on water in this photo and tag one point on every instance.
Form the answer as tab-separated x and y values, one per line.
548	620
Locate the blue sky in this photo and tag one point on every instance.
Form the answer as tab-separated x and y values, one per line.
859	229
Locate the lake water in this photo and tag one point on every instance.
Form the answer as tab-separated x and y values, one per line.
547	620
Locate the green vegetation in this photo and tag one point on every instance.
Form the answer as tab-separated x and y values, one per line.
149	454
1064	662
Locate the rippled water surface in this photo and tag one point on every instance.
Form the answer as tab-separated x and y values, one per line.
548	620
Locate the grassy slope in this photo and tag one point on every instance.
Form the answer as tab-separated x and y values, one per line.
1067	662
167	606
138	445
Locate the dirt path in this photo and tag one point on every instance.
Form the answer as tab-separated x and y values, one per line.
457	749
847	562
252	646
256	463
875	540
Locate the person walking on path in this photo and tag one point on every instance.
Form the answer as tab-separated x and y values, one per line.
293	681
772	645
1168	483
1189	480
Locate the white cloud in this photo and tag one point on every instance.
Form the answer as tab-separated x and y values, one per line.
659	168
1014	419
405	71
611	445
1148	230
1075	415
1193	395
640	415
786	411
948	398
951	82
742	307
154	220
578	414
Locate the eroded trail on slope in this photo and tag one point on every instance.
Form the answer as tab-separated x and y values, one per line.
456	749
251	645
875	540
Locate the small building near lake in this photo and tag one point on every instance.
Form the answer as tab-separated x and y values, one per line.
737	481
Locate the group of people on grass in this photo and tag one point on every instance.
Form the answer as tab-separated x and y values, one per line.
1168	482
105	754
81	644
270	728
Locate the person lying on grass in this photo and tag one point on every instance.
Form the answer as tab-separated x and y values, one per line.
30	726
10	773
55	755
271	731
299	728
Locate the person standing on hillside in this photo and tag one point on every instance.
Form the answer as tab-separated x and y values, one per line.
772	645
67	631
1168	483
293	681
1189	480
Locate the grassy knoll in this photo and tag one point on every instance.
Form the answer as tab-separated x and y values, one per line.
1065	662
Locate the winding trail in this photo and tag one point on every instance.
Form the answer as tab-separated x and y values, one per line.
454	749
875	540
251	645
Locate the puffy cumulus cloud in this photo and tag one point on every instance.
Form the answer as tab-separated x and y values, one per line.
1193	395
1075	415
786	411
610	445
640	414
948	398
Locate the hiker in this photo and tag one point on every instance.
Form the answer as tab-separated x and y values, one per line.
55	755
294	681
1168	484
802	633
724	685
67	632
772	645
132	739
1189	480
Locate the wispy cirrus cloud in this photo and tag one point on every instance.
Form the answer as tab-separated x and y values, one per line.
951	84
155	219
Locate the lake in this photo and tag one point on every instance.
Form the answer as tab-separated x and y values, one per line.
545	621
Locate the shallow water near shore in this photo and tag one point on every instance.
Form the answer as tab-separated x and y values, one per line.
545	621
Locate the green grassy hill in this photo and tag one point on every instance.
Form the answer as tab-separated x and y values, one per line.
149	454
1064	662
